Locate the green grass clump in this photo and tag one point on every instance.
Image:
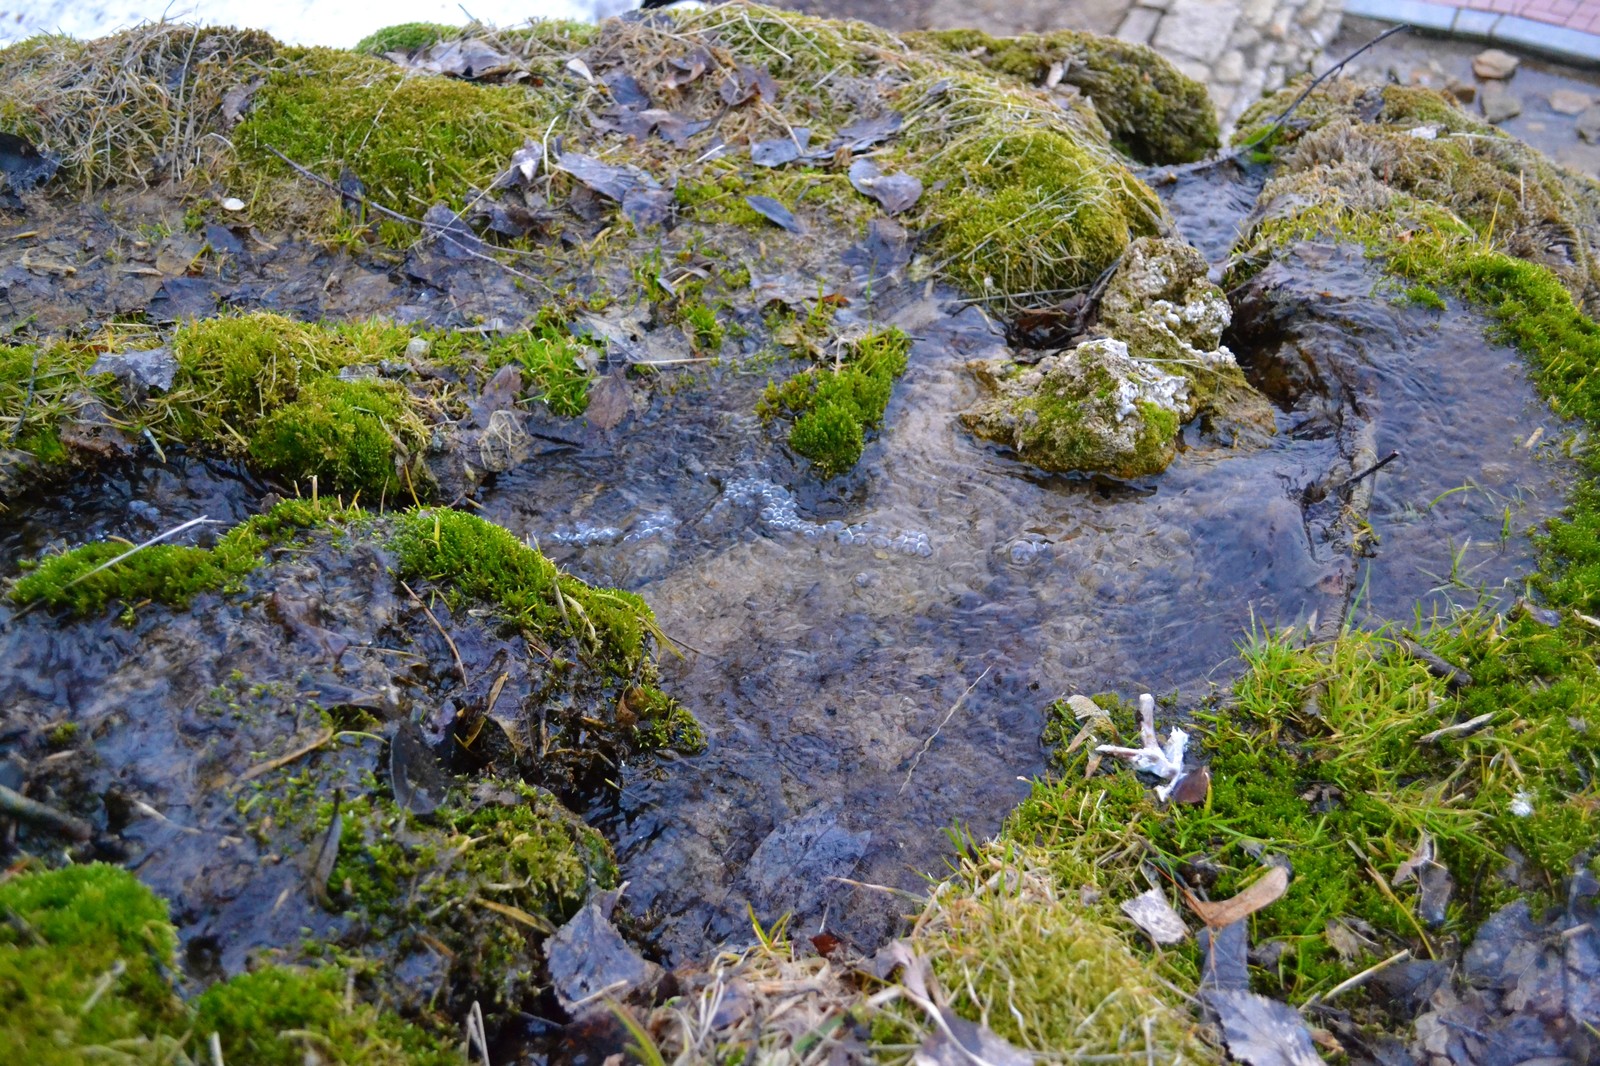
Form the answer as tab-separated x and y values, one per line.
552	362
166	573
1318	758
84	954
1152	111
833	407
476	560
350	435
404	37
414	140
1032	211
41	386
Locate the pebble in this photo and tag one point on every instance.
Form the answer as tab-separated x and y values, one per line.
1500	103
1493	64
1588	124
1569	101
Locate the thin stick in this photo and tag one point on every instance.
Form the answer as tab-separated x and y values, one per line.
19	806
1324	76
1373	469
174	531
1360	978
461	666
926	744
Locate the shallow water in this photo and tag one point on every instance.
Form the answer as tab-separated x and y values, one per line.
872	657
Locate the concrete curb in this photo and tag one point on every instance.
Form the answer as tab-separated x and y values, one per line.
1557	42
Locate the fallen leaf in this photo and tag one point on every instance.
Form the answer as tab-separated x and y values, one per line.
962	1043
1083	708
776	152
776	213
1261	1031
1193	787
895	192
420	784
1152	913
610	400
1225	912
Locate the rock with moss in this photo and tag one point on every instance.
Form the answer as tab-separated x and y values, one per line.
1153	111
1092	408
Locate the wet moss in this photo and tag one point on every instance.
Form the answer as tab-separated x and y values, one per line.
1152	111
473	560
79	581
833	407
353	436
277	1016
86	958
42	387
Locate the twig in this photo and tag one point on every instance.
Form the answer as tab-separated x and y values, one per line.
1373	469
460	666
1324	76
1359	979
19	806
926	744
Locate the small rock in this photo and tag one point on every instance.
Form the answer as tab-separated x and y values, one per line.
1464	91
1569	101
1493	64
1588	125
233	203
139	373
1500	103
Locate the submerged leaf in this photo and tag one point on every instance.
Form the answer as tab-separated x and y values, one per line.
775	213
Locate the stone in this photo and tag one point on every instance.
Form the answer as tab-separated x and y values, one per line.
1139	24
1569	101
1492	64
1500	103
1588	125
139	373
1464	91
1228	71
1197	30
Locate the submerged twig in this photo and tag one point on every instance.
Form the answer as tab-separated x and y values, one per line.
284	760
926	744
1373	469
21	807
460	666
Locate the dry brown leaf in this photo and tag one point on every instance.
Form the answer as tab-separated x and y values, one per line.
1246	903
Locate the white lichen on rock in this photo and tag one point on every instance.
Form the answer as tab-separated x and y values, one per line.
1114	404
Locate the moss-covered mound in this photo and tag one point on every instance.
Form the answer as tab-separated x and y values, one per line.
1152	111
87	958
365	408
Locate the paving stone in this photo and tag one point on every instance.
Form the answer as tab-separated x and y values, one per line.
1492	64
1569	101
1228	71
1138	25
1197	29
1258	12
1500	103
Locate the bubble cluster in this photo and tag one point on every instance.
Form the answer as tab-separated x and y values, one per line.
655	524
778	512
583	535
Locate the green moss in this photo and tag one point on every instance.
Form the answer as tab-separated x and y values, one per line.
277	1016
553	363
1152	111
41	388
1029	212
663	722
167	573
476	560
405	37
1019	948
353	436
84	957
413	140
833	407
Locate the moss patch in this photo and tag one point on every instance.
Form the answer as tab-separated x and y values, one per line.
78	581
404	37
86	958
834	406
1152	111
345	433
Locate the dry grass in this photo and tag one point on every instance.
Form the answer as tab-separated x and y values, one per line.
139	106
